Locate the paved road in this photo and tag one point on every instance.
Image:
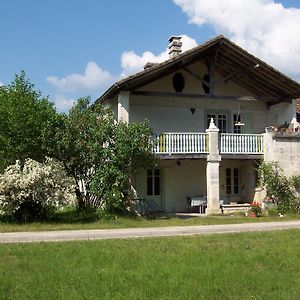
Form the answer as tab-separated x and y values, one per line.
71	235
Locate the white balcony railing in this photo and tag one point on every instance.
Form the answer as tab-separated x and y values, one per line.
181	143
232	143
197	143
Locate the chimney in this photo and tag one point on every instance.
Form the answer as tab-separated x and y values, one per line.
174	46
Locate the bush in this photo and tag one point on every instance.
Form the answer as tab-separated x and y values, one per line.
296	183
34	190
256	208
273	211
280	188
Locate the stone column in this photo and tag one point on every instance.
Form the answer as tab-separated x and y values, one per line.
123	106
212	171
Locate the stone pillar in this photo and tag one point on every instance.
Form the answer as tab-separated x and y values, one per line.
212	171
123	106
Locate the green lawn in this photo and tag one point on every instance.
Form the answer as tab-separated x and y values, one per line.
70	220
262	265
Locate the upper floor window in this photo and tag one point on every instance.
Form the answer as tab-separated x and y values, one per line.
220	120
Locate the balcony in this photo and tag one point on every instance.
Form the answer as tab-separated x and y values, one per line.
232	143
197	143
181	143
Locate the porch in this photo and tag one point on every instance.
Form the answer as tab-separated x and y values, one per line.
180	186
227	161
199	204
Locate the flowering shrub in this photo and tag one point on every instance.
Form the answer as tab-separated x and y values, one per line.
285	191
256	208
34	190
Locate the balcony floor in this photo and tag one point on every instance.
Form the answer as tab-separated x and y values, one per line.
204	156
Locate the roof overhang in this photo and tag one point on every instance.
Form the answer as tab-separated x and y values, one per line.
231	61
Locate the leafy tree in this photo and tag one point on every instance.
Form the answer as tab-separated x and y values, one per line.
100	154
130	150
78	141
23	116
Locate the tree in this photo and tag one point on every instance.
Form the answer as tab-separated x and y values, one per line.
23	116
100	154
131	149
79	142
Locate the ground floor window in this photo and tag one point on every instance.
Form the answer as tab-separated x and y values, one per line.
232	181
153	182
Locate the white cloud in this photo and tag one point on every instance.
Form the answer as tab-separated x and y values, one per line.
187	42
263	27
1	84
94	77
96	80
132	62
62	103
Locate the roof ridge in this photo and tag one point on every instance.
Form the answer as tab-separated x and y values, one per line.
165	62
188	56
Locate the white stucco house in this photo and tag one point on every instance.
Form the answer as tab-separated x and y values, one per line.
212	109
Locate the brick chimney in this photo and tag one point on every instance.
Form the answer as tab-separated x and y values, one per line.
174	46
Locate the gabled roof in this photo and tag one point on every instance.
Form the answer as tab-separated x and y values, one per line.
261	79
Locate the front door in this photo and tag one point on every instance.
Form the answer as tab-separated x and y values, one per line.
233	184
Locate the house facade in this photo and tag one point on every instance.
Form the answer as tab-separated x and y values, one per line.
298	111
210	108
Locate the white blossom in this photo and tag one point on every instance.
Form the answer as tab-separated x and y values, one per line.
46	183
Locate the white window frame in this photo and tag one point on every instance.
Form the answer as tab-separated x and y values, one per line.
219	113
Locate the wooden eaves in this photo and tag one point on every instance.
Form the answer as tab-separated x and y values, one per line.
222	56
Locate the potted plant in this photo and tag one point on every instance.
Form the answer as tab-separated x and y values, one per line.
255	209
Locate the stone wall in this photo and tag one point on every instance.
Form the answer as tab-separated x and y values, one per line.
283	147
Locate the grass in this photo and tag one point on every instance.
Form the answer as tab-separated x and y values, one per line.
71	220
262	265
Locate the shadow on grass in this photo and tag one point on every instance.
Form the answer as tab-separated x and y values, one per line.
71	218
74	216
61	217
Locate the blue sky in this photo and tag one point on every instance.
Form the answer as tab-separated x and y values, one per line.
76	48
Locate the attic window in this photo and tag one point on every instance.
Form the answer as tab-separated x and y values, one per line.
206	89
178	82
